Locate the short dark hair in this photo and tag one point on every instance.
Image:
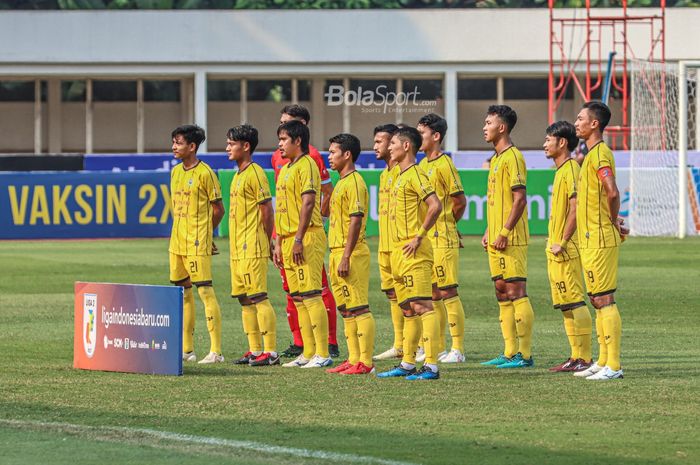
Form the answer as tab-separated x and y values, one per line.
388	128
600	111
296	130
410	134
297	111
192	134
347	142
564	130
505	113
435	122
244	133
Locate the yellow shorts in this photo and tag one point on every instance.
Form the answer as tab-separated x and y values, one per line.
305	279
249	277
351	292
600	270
412	275
509	264
566	283
446	268
195	267
387	278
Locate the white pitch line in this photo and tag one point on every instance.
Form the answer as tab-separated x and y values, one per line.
211	441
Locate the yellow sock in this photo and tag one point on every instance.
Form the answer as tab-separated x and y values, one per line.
583	325
412	328
431	338
251	328
570	330
307	332
600	335
319	323
267	322
397	321
507	320
188	321
365	335
613	334
441	313
455	317
213	313
524	319
351	337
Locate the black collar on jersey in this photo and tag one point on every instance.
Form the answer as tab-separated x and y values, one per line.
436	158
191	167
565	162
353	171
408	168
302	156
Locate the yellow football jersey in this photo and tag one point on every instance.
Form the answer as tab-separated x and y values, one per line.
563	189
192	191
295	179
445	180
249	189
507	171
350	198
407	208
386	182
595	230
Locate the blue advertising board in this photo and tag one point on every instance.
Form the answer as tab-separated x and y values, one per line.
41	205
130	328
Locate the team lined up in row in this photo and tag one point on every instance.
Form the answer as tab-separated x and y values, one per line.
420	277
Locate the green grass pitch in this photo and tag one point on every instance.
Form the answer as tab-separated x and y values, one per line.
51	413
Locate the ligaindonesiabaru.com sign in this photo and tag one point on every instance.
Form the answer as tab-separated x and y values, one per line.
130	328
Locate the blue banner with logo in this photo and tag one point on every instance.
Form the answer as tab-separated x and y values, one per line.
43	205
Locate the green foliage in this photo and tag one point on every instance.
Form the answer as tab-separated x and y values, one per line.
315	4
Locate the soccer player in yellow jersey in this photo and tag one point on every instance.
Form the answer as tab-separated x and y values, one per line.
444	236
382	137
506	239
349	260
301	241
600	233
414	208
563	262
197	211
251	221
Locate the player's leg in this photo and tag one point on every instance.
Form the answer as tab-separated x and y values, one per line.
297	346
506	310
448	282
558	288
605	274
200	273
303	315
591	277
387	286
349	323
240	276
310	286
356	290
441	319
515	277
412	327
574	298
179	277
330	304
267	320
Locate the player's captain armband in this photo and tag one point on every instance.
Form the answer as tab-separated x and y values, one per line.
604	172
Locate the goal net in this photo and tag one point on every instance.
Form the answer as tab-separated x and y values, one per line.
664	195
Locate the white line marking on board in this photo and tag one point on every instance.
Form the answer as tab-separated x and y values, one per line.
204	440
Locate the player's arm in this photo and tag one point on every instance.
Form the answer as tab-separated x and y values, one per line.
519	204
277	253
326	192
216	217
607	178
353	236
569	228
434	210
459	205
308	200
268	218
